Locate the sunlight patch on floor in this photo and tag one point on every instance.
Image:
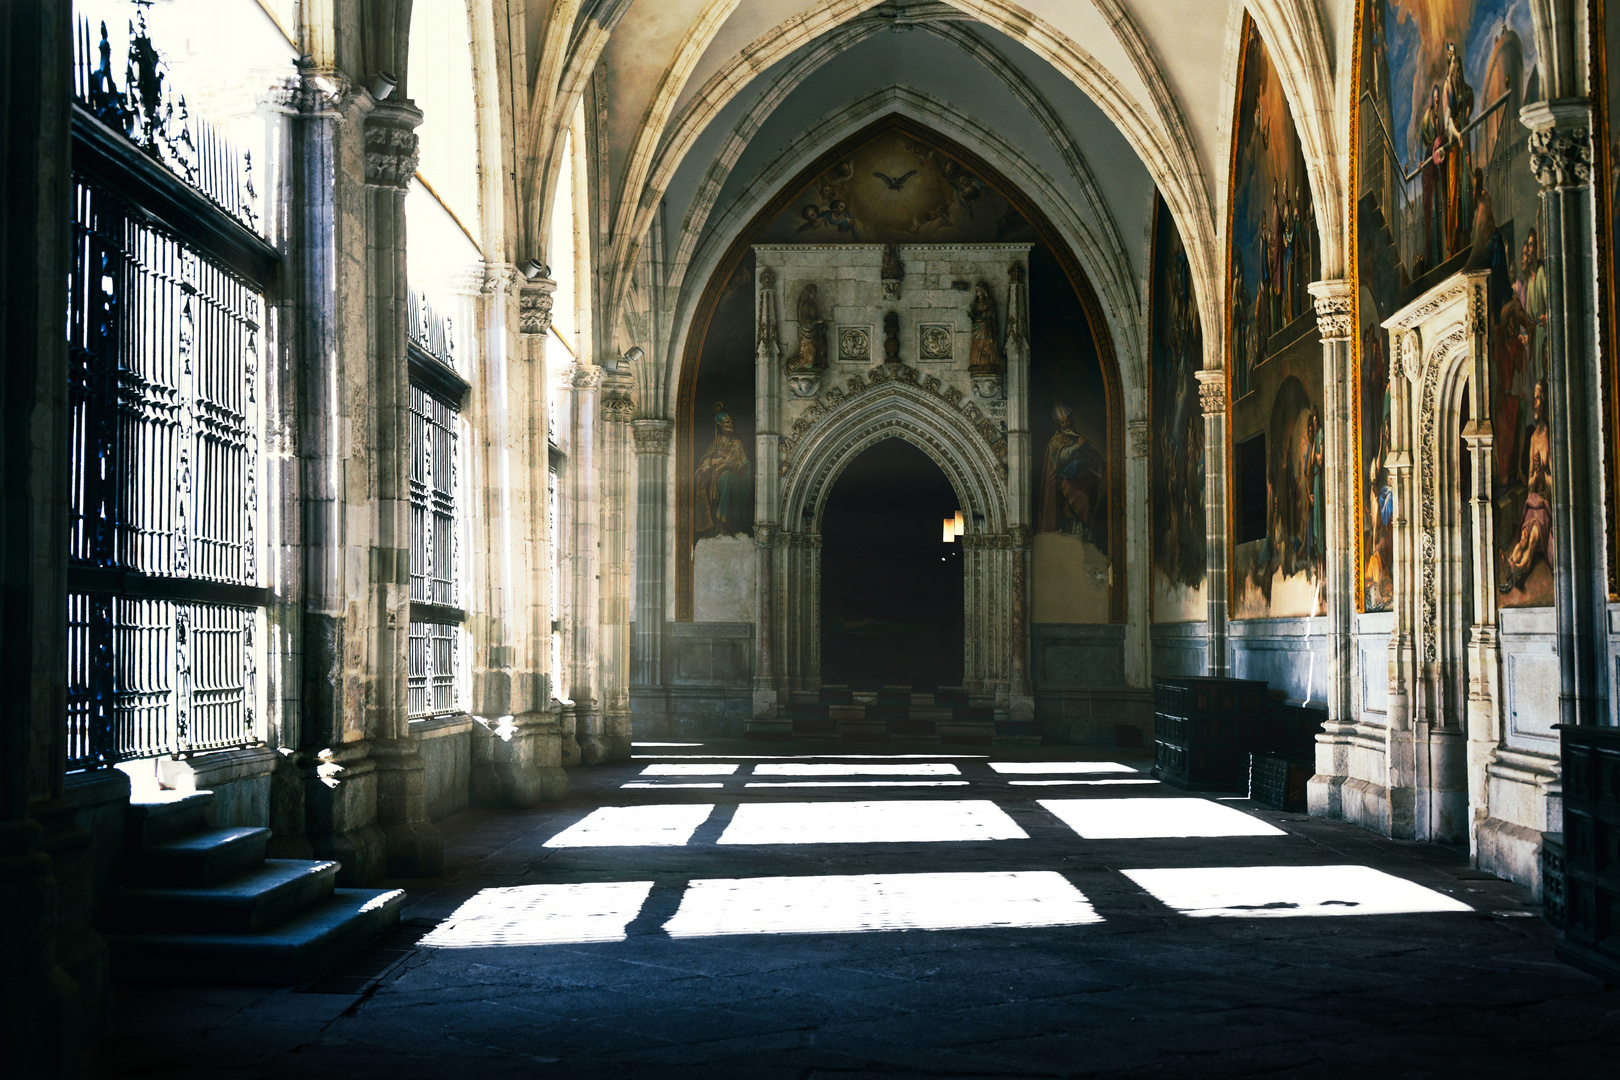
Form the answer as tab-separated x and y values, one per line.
689	769
659	825
1060	767
895	822
849	904
1144	819
1289	891
861	783
665	786
542	915
1071	783
816	769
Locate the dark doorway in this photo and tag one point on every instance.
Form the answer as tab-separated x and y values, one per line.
891	588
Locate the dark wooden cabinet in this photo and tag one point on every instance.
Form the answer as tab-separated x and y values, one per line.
1204	729
1591	885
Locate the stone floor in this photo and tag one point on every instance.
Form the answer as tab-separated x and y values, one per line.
576	941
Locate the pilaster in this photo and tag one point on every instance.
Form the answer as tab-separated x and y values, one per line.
1335	317
582	496
652	445
609	738
1212	396
1561	157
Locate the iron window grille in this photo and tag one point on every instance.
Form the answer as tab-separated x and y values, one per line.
163	325
432	680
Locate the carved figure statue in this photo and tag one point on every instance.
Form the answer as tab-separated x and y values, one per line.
812	355
893	268
721	482
891	338
984	355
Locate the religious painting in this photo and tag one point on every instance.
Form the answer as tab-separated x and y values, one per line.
1068	421
1443	184
1606	82
1275	369
721	483
1175	430
897	188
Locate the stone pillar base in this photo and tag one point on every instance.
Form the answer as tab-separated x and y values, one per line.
41	1002
340	813
414	847
569	722
516	761
616	736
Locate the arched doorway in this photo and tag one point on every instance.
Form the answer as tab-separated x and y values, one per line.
891	588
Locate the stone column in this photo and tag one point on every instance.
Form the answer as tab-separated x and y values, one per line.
583	559
609	738
1020	692
516	751
652	439
49	1002
1561	156
767	498
413	846
1400	775
1212	395
1335	321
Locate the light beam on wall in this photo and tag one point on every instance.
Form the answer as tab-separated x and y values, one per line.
1152	818
850	904
542	915
896	822
1248	892
659	825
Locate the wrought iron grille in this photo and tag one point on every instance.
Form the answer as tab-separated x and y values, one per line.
163	489
431	678
428	330
153	117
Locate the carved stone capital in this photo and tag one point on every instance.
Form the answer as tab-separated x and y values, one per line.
534	306
1212	391
586	377
1560	141
1561	157
311	95
618	405
499	278
652	436
1335	309
391	146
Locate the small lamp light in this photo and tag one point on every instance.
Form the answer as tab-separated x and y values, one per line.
534	268
633	354
950	531
957	524
382	85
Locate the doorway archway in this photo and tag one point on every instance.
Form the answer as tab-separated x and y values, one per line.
891	588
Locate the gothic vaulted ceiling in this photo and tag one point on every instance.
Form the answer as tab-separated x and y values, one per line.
705	107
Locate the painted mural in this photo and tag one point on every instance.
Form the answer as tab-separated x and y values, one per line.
1444	184
1176	431
1068	426
1275	368
897	188
1606	76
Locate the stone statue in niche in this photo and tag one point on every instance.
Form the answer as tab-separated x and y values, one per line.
985	362
805	368
891	338
893	271
721	482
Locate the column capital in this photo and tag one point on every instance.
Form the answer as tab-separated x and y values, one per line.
585	377
391	145
652	436
1335	309
1212	390
534	305
1560	142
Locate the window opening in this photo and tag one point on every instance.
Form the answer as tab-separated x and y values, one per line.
1252	493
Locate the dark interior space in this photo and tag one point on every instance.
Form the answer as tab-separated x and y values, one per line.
891	588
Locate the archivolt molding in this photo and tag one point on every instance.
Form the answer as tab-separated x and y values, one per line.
969	450
1120	309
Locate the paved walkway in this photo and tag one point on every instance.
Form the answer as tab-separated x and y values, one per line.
731	910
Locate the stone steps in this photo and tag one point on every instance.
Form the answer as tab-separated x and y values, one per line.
204	905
